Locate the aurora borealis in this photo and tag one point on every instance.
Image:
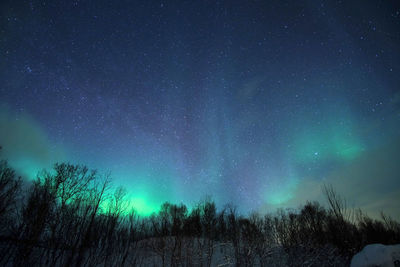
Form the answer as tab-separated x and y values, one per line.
255	103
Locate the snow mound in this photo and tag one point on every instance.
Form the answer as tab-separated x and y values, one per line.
377	255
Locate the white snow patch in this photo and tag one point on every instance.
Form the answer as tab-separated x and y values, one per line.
377	255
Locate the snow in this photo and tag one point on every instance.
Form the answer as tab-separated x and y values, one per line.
377	255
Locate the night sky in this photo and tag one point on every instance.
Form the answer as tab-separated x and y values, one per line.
257	103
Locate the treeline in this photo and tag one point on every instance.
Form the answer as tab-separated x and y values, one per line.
72	216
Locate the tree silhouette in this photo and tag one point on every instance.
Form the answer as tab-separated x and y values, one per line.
72	216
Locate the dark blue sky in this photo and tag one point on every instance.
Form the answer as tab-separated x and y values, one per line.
257	103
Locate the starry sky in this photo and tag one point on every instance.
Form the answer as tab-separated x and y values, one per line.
255	103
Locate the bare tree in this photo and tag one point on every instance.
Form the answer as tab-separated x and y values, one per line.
10	186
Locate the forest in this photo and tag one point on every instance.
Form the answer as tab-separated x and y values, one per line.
72	216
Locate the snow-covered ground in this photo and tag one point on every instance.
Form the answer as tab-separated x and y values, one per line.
203	252
377	255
